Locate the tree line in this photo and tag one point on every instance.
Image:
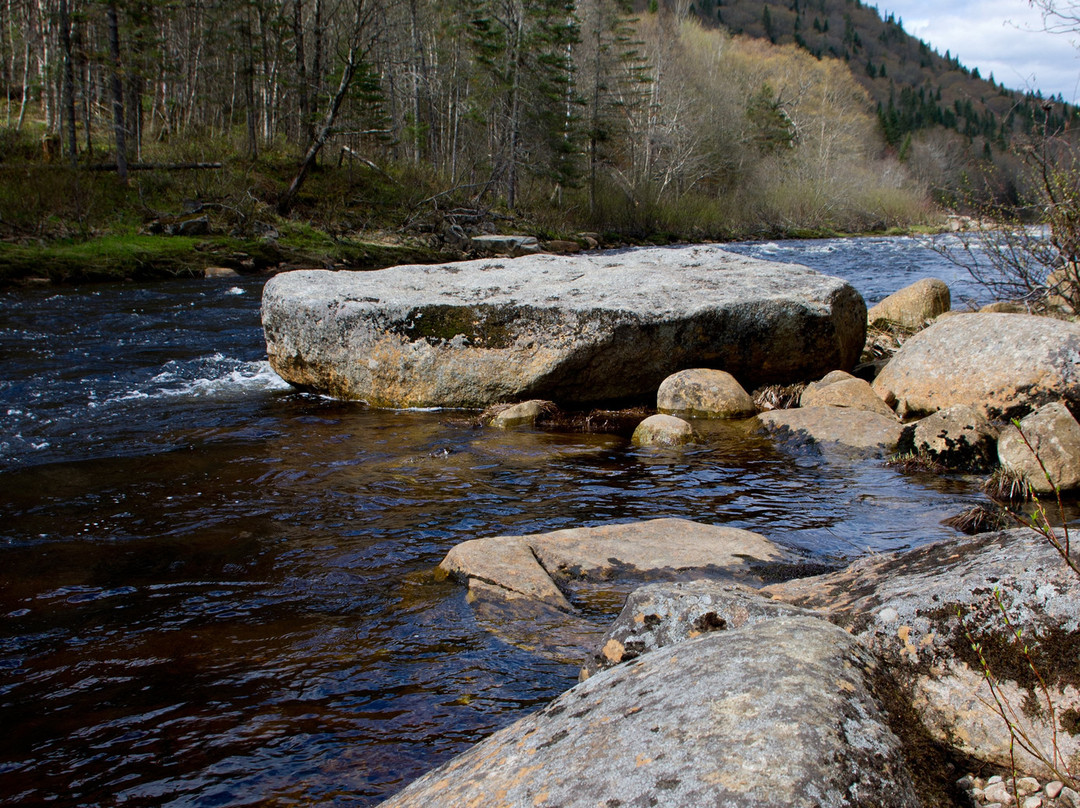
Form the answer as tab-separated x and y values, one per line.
535	102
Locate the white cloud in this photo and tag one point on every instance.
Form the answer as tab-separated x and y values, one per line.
1002	37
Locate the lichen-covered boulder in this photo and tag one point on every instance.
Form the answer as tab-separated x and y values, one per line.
1005	365
662	430
782	714
912	306
1054	435
923	611
658	615
573	329
849	431
704	393
957	437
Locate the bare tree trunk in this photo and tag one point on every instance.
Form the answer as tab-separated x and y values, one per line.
25	76
249	85
289	197
68	90
302	89
117	92
48	107
87	89
317	59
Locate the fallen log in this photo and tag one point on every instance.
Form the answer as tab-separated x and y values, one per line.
155	166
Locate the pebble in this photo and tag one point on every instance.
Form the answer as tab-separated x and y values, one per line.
1026	786
998	792
1001	792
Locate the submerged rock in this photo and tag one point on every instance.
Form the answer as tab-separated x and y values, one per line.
1004	365
663	430
574	329
522	414
783	714
541	565
921	611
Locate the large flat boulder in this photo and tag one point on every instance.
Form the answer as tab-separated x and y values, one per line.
528	589
542	565
574	329
1005	365
924	611
779	714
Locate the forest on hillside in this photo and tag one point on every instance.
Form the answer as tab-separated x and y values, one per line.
444	117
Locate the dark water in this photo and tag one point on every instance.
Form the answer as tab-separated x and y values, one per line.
217	591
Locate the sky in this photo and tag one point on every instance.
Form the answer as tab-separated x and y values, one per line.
1002	37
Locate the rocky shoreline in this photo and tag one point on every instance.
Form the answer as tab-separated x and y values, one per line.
877	684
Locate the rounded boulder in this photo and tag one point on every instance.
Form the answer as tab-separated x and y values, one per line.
704	393
1052	448
663	430
1004	365
913	305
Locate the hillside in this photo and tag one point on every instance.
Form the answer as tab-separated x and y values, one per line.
914	87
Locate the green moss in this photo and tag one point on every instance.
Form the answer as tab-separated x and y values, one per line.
107	258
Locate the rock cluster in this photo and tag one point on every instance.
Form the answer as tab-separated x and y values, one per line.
848	688
1023	792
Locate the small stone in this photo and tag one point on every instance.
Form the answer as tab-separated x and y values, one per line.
1032	802
998	792
1068	798
890	615
525	413
979	783
997	778
1026	786
1053	788
663	430
968	780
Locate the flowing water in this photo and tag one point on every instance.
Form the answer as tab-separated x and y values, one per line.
215	590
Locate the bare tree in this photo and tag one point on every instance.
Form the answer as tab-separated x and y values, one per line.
359	43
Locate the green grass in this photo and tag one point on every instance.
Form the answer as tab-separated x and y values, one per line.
101	259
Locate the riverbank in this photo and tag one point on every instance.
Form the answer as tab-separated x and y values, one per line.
148	257
185	215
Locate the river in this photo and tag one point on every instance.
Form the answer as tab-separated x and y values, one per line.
218	591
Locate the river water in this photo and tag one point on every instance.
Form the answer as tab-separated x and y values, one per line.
217	591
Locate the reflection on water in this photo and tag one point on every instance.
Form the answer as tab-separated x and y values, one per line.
216	591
